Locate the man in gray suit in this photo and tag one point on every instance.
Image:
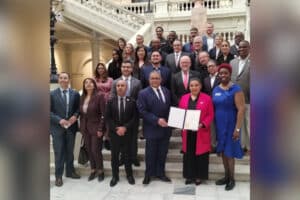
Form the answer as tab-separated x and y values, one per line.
133	87
64	112
241	76
172	60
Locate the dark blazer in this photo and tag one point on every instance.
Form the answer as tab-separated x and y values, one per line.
93	120
151	109
164	71
58	110
221	59
112	115
114	69
177	87
202	69
204	41
171	62
207	86
135	87
187	47
212	53
234	51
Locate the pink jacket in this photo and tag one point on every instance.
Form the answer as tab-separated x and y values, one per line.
207	115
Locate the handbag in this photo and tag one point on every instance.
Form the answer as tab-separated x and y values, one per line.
83	157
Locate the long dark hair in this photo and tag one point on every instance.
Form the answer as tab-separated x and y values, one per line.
136	59
84	92
97	75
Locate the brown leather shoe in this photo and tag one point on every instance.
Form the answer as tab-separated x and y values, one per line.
58	182
74	175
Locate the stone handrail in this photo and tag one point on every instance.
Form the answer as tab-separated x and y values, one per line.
113	11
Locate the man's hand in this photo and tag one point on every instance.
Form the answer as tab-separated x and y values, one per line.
162	122
72	120
121	130
64	123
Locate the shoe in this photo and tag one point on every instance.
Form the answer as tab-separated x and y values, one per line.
106	144
58	182
222	181
101	177
165	179
146	180
136	163
74	175
113	181
131	180
92	176
230	185
198	182
121	162
188	181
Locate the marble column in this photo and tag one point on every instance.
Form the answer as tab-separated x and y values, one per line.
95	44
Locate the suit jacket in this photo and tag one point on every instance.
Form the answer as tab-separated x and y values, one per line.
151	109
195	60
93	120
242	79
234	51
171	62
207	86
204	41
135	87
58	110
202	69
221	59
112	115
212	53
204	103
187	47
165	74
177	87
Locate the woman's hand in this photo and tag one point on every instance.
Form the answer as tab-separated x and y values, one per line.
99	133
236	135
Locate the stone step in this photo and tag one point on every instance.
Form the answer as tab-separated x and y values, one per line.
175	156
173	170
175	143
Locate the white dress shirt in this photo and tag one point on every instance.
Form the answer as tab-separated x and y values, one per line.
68	98
242	63
210	43
162	93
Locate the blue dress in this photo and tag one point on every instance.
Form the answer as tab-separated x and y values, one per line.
225	117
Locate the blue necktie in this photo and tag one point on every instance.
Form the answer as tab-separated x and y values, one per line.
65	101
160	95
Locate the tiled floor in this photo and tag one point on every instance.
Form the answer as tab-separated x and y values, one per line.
83	190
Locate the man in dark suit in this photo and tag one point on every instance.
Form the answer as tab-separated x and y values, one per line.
241	76
215	52
188	47
133	88
208	39
201	67
64	112
198	47
121	114
155	66
234	49
156	46
180	80
172	60
154	104
209	83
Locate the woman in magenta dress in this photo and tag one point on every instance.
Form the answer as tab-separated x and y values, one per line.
229	103
104	84
196	144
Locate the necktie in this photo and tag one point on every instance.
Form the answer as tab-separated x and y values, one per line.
128	87
65	101
160	95
121	111
176	58
185	80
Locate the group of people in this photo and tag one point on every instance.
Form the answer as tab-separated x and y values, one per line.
205	74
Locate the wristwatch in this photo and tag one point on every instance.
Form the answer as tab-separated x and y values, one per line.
238	129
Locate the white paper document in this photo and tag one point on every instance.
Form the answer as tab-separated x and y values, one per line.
192	118
184	119
176	117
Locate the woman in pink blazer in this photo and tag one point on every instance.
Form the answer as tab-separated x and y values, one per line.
196	144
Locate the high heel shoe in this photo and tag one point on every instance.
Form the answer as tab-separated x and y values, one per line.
101	177
92	176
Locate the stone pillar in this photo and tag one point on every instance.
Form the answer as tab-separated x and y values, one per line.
247	32
95	43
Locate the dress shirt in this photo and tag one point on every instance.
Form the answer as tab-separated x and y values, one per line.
210	43
128	81
242	63
162	93
68	98
212	79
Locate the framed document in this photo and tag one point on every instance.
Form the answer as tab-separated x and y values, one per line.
184	119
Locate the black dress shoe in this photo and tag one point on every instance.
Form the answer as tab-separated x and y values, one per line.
106	144
198	182
92	176
74	175
101	177
146	180
188	181
131	180
114	181
222	181
164	179
58	182
230	185
136	163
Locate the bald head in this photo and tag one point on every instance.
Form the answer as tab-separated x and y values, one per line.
185	63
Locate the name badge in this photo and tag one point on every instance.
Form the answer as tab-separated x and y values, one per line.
218	94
